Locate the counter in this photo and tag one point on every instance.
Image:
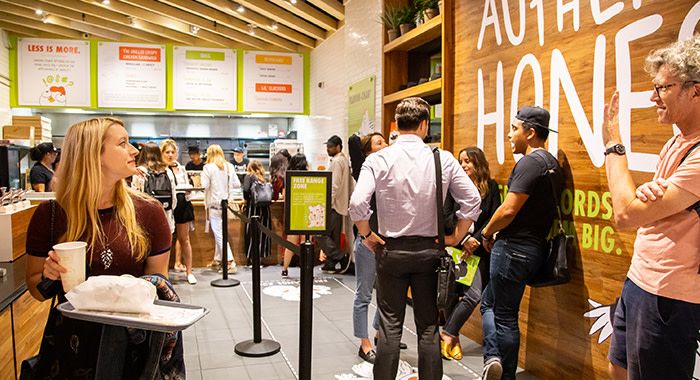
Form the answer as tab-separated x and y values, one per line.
12	285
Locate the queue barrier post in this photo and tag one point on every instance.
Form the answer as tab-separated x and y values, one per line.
224	282
257	347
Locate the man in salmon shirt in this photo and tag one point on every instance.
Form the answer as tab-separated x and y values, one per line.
656	322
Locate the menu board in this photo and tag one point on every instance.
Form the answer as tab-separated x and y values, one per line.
130	75
54	73
204	79
273	82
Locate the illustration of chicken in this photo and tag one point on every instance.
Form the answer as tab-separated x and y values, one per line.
604	324
53	96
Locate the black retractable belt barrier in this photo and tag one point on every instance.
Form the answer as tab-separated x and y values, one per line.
257	347
306	309
224	282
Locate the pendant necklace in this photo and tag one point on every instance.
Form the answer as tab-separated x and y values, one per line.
106	255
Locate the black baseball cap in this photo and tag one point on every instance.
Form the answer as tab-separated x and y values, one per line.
192	149
238	149
334	141
535	116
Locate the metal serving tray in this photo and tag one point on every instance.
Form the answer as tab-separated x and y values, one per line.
166	317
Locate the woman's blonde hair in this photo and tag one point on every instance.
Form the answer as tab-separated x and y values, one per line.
215	155
168	143
255	168
78	187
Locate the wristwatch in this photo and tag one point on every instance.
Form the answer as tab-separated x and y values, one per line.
618	149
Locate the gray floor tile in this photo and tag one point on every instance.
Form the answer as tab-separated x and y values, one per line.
229	373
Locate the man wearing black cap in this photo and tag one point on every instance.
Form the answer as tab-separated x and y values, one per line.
518	250
340	197
196	162
240	161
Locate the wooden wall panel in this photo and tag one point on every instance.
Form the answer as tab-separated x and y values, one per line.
555	333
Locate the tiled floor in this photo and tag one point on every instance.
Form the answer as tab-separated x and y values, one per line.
209	345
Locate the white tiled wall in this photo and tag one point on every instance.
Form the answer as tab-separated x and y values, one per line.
349	55
4	79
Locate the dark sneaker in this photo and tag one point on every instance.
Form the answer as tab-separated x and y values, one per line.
492	369
328	267
285	273
367	356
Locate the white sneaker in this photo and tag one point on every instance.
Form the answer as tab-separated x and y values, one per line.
492	369
191	279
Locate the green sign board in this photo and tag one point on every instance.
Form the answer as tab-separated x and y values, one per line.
361	103
307	202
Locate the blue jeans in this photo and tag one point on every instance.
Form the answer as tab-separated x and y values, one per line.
365	275
511	266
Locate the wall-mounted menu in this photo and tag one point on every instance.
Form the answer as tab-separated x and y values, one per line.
130	75
53	73
273	82
204	79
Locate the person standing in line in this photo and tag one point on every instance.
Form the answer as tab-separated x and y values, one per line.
403	178
256	175
297	162
476	166
183	213
340	196
657	319
196	162
219	181
522	222
150	164
42	172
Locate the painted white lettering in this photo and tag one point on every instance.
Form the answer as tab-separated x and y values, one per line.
515	40
496	117
601	17
487	20
629	100
572	6
689	23
540	19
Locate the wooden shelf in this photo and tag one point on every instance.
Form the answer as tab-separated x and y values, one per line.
425	89
421	35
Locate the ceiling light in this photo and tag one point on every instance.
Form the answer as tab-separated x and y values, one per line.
131	20
274	25
39	12
45	18
194	29
293	1
240	9
251	29
105	2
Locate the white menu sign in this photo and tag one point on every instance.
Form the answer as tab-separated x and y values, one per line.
204	79
130	75
53	73
273	82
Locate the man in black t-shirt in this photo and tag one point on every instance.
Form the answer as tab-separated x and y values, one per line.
196	162
522	222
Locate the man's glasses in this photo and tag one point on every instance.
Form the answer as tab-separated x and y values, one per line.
663	88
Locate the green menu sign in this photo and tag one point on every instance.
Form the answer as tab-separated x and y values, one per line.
307	202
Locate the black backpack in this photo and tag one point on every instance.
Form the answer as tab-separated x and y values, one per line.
158	186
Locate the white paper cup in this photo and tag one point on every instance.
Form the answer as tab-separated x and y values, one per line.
72	255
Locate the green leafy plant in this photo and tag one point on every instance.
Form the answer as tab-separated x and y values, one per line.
391	17
407	14
422	5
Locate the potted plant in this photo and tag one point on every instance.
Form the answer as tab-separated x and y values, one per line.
407	15
428	8
391	18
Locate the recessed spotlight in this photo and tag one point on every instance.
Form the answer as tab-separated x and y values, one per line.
251	29
39	12
105	2
45	18
240	9
293	1
194	29
131	20
274	25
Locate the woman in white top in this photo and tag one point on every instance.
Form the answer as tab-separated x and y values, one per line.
150	163
183	213
219	180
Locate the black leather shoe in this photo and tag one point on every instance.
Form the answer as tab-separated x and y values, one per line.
367	356
402	345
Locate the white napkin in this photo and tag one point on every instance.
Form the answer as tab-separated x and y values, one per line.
124	294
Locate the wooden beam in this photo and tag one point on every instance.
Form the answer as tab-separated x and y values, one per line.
309	13
22	30
49	7
250	16
230	21
332	7
39	25
281	16
206	26
137	25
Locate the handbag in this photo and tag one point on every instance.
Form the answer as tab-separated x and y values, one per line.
446	271
261	193
555	268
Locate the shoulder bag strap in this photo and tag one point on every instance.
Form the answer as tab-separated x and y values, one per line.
438	198
549	173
